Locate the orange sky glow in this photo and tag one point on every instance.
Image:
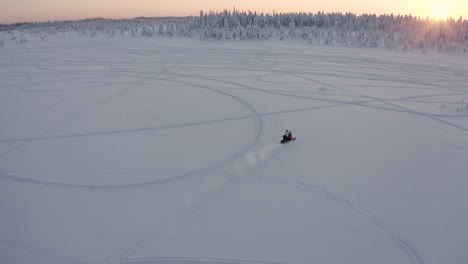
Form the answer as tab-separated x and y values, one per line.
35	10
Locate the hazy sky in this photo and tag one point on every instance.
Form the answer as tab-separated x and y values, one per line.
42	10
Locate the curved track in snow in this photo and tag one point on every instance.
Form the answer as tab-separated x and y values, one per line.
415	255
183	260
196	76
240	153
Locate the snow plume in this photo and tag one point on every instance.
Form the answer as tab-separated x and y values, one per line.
253	159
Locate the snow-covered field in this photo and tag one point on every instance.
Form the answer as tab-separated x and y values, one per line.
167	151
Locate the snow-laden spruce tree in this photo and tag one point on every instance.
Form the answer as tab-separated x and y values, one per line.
396	32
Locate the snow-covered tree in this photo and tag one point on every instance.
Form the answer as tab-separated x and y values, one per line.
387	31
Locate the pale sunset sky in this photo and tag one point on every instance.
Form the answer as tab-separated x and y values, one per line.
43	10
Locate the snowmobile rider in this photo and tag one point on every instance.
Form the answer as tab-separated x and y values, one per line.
287	135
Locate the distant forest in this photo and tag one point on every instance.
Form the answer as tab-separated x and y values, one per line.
395	32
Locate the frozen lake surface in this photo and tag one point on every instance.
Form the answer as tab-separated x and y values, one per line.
167	151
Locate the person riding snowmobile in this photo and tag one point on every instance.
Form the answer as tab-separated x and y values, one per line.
287	135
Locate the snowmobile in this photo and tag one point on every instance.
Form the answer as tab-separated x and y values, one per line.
287	137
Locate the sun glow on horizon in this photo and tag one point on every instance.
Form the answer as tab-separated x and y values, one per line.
53	10
441	11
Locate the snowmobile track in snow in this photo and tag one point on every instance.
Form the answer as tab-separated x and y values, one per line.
154	231
416	256
238	154
192	261
183	260
37	251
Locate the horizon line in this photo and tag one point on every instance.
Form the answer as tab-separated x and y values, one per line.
234	10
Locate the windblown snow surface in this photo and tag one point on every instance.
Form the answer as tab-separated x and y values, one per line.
167	151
